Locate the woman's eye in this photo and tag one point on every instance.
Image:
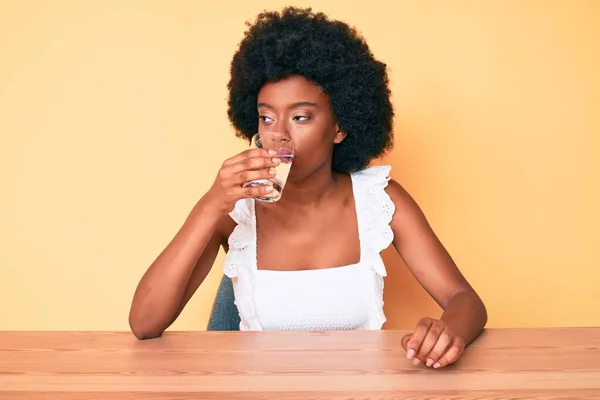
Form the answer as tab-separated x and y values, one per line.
300	118
265	119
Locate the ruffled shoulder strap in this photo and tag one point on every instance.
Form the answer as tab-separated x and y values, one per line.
242	239
374	209
242	212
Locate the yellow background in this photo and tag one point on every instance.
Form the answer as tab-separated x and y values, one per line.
113	124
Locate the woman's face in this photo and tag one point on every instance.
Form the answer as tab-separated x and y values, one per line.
299	108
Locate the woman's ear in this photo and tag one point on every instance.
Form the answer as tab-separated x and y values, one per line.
339	136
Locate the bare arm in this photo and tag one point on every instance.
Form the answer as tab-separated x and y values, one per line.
167	284
178	271
464	314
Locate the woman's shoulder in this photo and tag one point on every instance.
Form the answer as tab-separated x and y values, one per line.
374	181
372	173
404	213
380	175
375	185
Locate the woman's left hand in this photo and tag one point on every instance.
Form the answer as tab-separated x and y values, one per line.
433	343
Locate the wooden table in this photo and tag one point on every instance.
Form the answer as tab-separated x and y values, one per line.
502	364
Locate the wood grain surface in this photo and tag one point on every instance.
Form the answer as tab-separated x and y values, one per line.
546	364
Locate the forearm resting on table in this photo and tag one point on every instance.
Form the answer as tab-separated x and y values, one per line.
466	315
159	295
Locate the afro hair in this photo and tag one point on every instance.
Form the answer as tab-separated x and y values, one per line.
333	56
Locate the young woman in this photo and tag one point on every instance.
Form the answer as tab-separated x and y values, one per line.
311	261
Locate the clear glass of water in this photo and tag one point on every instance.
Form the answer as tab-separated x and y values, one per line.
282	144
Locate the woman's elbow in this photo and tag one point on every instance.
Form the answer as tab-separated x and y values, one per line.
145	334
143	331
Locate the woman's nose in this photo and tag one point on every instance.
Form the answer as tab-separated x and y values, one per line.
282	126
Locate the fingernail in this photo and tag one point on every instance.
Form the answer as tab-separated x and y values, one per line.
268	189
272	152
410	353
437	365
416	361
272	171
429	362
276	160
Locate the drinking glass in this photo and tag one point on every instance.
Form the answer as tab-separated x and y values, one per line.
282	144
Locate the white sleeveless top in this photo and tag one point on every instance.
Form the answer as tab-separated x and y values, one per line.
340	298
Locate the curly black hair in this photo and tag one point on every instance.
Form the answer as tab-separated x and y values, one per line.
331	54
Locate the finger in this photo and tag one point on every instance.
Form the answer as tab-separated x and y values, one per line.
429	341
254	163
249	153
257	191
414	344
247	176
454	351
439	349
404	341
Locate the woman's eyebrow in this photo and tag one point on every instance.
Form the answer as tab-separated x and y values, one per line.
294	105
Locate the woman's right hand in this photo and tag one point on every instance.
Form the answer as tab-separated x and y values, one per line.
247	166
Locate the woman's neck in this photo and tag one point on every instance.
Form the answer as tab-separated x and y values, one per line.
311	190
